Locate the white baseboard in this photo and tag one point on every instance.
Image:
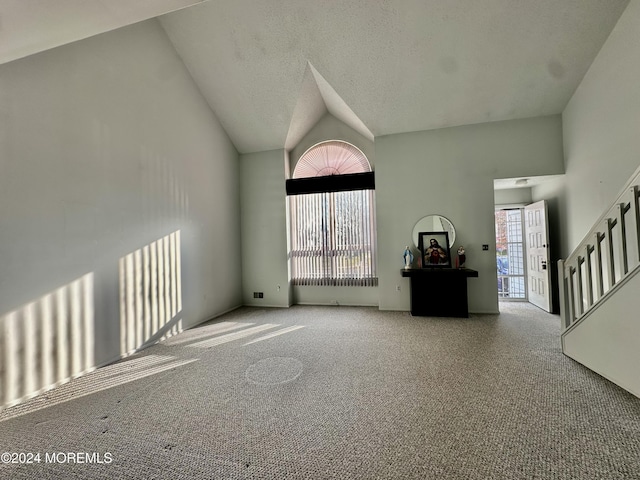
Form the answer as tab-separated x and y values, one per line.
310	304
265	305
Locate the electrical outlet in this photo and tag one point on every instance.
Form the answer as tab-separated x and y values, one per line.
397	288
485	247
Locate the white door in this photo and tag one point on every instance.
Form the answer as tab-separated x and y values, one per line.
538	268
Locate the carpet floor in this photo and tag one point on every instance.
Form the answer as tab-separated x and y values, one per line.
335	393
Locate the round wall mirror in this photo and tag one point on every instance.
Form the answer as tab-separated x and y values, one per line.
434	223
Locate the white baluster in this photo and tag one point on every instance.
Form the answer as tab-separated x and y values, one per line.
588	275
572	295
635	219
621	240
609	258
565	314
597	254
580	301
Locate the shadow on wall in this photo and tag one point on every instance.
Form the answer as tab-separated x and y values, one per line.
47	341
51	340
150	293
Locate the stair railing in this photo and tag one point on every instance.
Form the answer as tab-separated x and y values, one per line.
607	256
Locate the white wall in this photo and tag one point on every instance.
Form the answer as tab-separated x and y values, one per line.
264	229
512	196
607	339
450	172
106	146
330	128
327	295
600	123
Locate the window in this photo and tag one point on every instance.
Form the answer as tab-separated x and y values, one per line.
510	254
332	217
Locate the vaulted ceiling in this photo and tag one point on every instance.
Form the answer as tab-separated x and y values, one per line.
270	68
399	65
32	26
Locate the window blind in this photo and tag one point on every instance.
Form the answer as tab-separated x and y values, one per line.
333	238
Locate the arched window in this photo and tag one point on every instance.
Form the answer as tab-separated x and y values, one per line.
331	158
332	217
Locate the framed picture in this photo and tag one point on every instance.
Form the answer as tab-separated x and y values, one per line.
434	249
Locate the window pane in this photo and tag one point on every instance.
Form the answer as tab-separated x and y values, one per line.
510	254
333	238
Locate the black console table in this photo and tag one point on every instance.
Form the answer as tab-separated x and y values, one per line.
439	292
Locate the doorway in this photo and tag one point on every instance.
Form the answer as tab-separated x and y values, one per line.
510	258
523	241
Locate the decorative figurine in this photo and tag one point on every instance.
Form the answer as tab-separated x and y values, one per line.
408	257
461	258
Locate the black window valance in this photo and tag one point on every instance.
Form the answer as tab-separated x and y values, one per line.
331	183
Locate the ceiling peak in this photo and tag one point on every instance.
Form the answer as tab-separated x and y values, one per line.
315	99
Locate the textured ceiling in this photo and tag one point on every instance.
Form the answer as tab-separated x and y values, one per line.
396	65
271	68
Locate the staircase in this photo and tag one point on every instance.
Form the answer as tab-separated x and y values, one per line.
600	293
